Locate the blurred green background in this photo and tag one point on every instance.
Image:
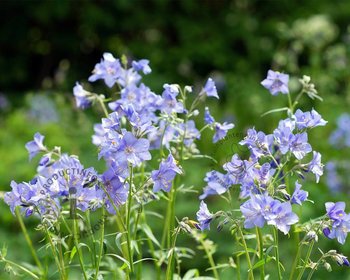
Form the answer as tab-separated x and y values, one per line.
46	46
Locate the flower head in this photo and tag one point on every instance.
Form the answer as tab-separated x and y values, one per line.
308	119
316	166
204	217
217	183
83	98
108	70
166	173
221	130
36	146
210	89
142	65
116	189
132	149
208	118
299	195
276	82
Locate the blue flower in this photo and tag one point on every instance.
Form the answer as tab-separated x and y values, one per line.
221	130
166	173
132	150
108	70
36	146
342	260
217	183
284	137
308	119
339	229
169	102
20	195
254	210
316	166
208	118
335	211
204	217
238	169
299	145
111	123
281	216
258	143
299	195
276	82
263	208
116	190
83	98
142	65
210	88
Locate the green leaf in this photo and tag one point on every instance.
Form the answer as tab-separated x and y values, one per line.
147	230
275	111
72	253
120	258
190	274
262	262
240	253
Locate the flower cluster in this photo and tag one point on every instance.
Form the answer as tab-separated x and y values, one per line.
261	177
141	121
340	221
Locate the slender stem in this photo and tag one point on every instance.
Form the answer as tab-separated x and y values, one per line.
98	262
290	103
297	255
170	268
20	267
238	268
306	259
29	241
93	241
76	242
314	268
275	234
60	254
53	249
151	247
128	215
103	107
210	258
250	267
261	252
297	98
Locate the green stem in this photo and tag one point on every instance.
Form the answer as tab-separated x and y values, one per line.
103	107
210	258
275	234
53	249
314	268
29	241
151	247
297	255
261	252
170	268
20	267
76	242
98	262
250	267
93	241
128	215
238	268
306	259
